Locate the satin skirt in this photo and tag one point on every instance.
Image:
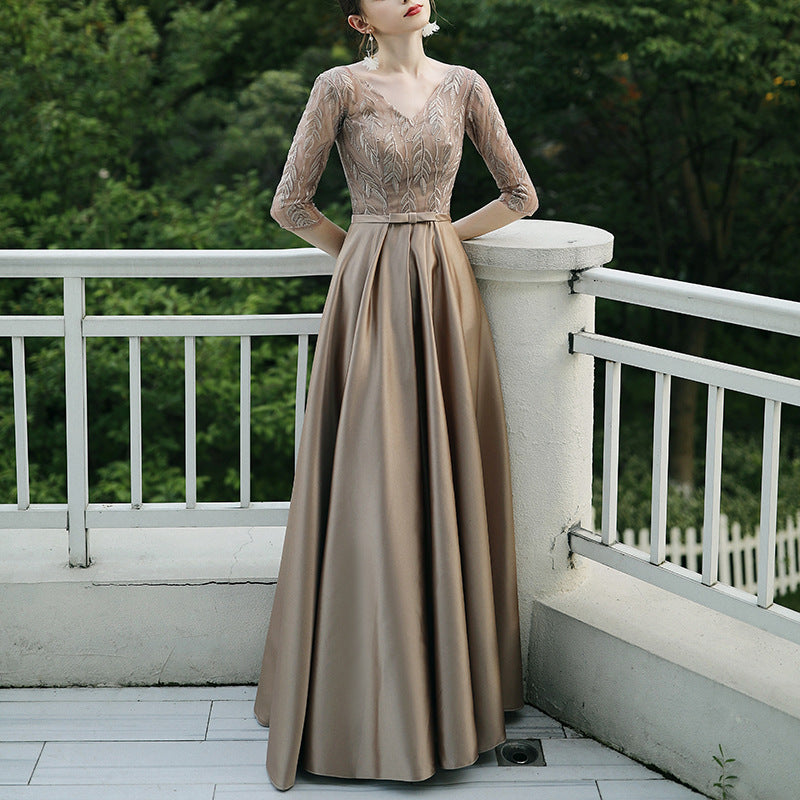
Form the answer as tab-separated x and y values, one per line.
393	646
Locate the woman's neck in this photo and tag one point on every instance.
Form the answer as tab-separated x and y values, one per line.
401	54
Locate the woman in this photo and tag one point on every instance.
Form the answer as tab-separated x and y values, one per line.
393	645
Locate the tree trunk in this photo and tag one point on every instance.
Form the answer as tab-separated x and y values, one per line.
684	409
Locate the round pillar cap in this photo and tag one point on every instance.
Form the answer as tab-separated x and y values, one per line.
533	249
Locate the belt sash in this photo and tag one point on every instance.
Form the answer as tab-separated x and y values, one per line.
403	216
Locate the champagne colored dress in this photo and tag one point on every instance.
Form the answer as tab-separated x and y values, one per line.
393	645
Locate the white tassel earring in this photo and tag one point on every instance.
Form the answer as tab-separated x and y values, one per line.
429	28
371	60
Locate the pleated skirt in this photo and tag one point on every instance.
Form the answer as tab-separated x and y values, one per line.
393	645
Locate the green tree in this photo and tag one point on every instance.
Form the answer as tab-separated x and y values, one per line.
671	123
165	123
131	125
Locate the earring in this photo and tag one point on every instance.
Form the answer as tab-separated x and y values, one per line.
429	28
371	60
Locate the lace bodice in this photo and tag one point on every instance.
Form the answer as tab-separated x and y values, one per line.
395	163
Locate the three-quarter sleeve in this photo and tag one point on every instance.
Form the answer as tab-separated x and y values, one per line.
293	203
485	127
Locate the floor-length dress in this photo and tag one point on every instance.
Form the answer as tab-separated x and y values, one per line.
393	645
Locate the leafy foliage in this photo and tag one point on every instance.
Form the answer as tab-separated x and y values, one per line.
165	124
726	780
670	123
133	126
674	115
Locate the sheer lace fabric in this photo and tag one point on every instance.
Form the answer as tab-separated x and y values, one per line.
394	163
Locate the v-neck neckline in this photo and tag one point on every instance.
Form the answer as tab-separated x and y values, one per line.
391	106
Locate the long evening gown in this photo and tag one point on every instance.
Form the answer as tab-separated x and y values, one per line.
393	646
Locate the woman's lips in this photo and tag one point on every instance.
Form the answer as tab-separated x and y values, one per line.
413	10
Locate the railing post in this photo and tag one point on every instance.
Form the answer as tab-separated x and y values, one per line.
245	380
77	426
769	503
190	391
20	422
658	505
713	484
523	272
135	383
611	452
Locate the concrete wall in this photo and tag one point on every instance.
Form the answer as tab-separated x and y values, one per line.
172	606
667	681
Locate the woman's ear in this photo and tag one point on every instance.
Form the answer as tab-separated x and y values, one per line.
358	22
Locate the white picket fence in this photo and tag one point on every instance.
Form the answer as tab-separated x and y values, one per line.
737	552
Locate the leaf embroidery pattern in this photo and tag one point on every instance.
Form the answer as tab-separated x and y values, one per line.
393	163
487	130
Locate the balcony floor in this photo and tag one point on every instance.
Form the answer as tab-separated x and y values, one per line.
203	743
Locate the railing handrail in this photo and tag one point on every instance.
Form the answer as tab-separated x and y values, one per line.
286	263
769	313
74	326
666	294
165	325
754	382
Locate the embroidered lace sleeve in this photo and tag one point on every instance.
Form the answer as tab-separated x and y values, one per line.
487	130
293	203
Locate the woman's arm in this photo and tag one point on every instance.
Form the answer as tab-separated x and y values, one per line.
293	205
485	127
490	217
324	234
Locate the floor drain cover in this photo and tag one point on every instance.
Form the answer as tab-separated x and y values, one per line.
520	753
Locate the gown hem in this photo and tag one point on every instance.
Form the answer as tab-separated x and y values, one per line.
405	780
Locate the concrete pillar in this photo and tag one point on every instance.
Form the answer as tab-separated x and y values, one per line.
523	272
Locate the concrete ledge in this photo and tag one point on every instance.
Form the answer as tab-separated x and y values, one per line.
183	606
666	681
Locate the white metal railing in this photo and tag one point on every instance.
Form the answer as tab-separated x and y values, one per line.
723	305
73	267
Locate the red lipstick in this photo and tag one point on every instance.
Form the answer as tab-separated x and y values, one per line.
413	10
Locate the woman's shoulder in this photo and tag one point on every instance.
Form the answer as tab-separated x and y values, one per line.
334	83
466	76
341	79
332	75
463	74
